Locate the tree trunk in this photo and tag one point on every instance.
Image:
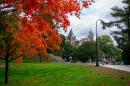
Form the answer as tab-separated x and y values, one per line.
6	69
40	59
128	50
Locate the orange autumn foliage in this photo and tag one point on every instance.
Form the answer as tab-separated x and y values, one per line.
19	60
37	20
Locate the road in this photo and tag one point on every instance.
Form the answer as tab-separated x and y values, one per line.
118	67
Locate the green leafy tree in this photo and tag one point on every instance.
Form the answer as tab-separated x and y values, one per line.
66	48
106	45
86	51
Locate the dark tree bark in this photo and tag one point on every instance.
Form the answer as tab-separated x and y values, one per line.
6	69
128	50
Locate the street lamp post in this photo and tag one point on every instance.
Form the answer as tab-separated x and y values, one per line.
97	59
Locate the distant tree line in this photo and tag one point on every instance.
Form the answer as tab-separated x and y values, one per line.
87	50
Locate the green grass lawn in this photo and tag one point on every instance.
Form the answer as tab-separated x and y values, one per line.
52	74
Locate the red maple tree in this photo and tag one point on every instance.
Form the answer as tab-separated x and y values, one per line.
37	21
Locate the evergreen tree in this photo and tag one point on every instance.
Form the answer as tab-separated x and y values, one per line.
122	36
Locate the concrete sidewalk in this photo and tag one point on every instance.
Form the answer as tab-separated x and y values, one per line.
118	67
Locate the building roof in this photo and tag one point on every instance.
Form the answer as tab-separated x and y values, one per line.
71	34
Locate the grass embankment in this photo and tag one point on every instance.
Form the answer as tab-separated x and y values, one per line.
52	74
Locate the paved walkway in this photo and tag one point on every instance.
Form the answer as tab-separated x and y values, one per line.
119	67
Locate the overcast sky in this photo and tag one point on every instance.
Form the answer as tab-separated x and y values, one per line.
101	9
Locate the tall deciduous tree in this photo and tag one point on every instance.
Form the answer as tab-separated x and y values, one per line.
36	20
8	46
106	45
86	51
66	48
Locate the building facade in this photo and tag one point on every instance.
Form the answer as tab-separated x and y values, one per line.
71	38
